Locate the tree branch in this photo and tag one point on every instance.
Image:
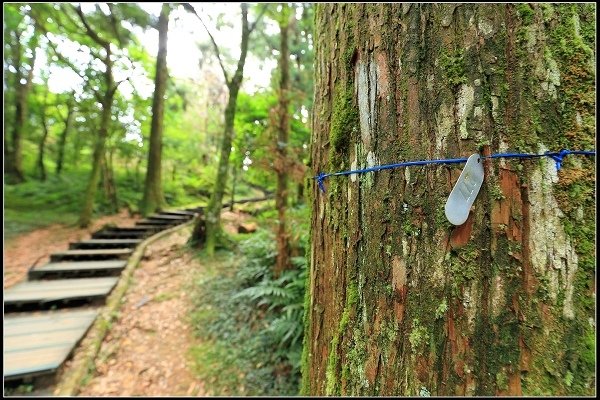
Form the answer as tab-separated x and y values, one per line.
188	7
114	25
91	33
260	14
65	60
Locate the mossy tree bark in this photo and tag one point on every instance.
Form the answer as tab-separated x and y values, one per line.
153	198
283	129
400	302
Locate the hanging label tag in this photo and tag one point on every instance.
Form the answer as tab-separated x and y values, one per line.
465	191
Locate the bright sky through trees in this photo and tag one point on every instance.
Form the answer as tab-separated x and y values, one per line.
183	53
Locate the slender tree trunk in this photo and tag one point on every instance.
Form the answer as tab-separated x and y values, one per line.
42	146
137	172
76	149
7	147
213	211
62	141
233	182
399	302
281	195
108	182
153	198
99	146
15	166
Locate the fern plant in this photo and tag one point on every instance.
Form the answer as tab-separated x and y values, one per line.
284	299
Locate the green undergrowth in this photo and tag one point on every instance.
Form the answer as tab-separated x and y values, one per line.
57	200
34	204
249	324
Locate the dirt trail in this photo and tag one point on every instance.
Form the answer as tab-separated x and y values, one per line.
23	251
145	352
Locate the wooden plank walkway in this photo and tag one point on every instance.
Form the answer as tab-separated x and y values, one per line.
104	243
76	268
39	344
62	289
90	254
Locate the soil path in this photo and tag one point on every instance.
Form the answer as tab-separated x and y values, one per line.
23	251
145	352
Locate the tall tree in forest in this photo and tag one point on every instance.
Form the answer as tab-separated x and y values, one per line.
106	100
20	39
153	198
283	131
400	302
102	33
210	230
68	120
41	168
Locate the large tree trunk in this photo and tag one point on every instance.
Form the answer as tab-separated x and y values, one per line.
62	141
213	211
281	195
400	302
153	198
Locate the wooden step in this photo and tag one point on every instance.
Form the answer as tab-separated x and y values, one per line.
141	233
105	243
126	229
153	228
77	269
135	232
40	292
189	214
177	218
93	254
38	344
159	222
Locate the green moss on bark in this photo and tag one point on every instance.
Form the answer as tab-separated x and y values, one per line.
344	121
332	387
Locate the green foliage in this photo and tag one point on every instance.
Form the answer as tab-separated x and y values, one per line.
34	204
257	318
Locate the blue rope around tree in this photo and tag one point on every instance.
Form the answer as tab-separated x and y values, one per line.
556	156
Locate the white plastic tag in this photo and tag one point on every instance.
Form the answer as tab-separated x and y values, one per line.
465	191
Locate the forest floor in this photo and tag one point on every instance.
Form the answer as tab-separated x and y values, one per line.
146	352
